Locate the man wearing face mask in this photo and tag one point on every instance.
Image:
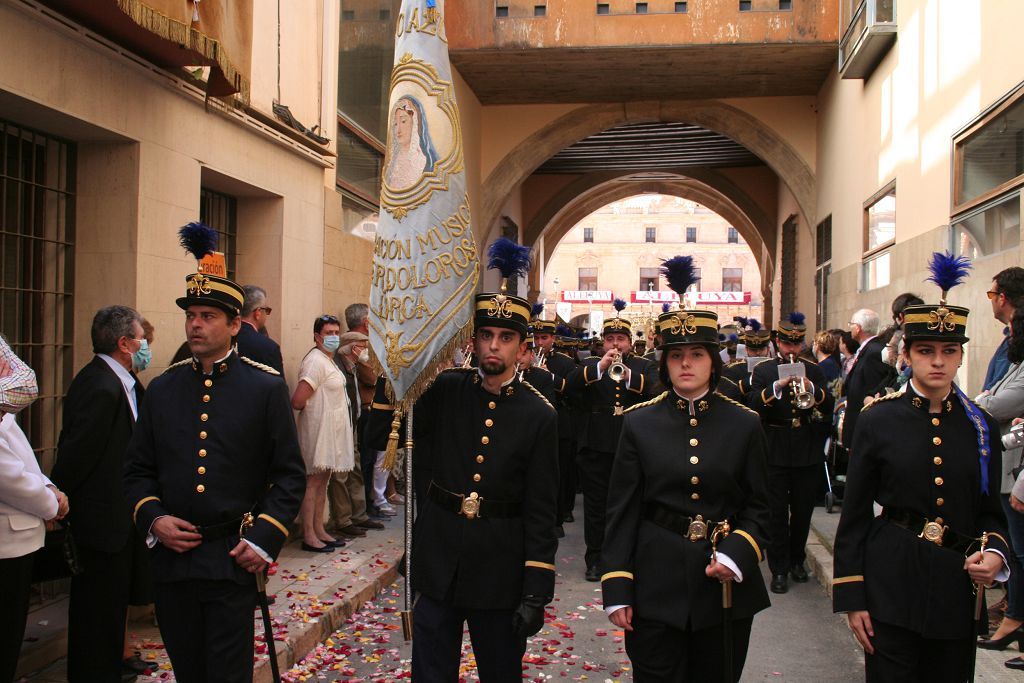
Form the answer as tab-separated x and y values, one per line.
100	411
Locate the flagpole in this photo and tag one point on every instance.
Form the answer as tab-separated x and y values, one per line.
410	493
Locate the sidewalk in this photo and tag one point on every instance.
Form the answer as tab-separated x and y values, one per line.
315	594
989	665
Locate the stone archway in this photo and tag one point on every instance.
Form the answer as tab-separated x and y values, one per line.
582	122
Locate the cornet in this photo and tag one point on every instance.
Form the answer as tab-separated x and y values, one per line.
617	370
802	396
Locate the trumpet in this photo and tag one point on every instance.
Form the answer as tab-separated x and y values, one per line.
617	370
802	396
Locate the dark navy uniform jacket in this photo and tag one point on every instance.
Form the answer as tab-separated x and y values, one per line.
708	461
561	366
259	347
503	448
208	449
907	458
602	396
795	437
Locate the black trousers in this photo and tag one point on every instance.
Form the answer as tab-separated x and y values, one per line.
791	493
663	654
97	612
902	656
367	460
437	643
207	627
595	470
567	479
16	579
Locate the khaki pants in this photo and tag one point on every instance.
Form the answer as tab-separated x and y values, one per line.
346	498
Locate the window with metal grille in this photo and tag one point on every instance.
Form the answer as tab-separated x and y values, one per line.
220	212
734	236
588	234
650	234
691	234
37	269
732	279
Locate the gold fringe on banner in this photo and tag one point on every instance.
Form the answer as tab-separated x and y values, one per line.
178	32
427	376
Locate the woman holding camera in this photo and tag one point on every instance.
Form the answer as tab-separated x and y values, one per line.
1005	401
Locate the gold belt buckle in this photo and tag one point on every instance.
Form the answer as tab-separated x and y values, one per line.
470	506
933	532
618	411
698	529
796	422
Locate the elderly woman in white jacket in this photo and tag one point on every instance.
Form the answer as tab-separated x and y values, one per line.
27	501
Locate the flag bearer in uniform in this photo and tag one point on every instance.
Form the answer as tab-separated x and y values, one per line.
789	408
688	509
486	449
605	393
215	443
931	458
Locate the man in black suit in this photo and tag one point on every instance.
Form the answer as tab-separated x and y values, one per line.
605	399
869	372
99	416
253	341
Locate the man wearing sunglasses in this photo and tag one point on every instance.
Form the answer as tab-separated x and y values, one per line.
1006	290
253	340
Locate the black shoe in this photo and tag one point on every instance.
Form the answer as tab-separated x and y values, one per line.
779	583
136	665
559	532
799	573
350	531
313	549
1015	663
568	517
369	524
592	574
1014	636
336	543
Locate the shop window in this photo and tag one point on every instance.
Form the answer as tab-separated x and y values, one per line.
587	279
37	271
649	279
732	279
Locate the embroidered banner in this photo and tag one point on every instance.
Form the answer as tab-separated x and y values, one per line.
425	262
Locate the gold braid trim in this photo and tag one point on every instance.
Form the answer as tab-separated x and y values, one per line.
536	391
872	401
261	366
737	404
180	363
657	399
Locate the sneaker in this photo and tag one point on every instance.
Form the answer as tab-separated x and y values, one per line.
387	509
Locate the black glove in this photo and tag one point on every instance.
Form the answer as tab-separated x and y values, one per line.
529	616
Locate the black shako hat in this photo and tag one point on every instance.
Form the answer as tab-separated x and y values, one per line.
498	309
201	289
939	322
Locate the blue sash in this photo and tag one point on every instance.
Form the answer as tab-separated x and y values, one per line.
981	427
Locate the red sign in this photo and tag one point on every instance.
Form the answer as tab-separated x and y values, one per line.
587	296
697	298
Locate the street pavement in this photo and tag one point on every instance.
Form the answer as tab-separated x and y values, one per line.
798	639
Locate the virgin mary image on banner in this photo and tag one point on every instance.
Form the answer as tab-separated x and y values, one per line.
412	151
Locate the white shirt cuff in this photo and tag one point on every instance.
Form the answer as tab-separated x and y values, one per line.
728	562
775	390
151	539
1004	573
259	551
614	608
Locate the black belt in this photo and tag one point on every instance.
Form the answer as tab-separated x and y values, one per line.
215	532
473	505
692	528
787	424
929	530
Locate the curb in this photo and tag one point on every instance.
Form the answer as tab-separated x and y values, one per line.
364	582
819	557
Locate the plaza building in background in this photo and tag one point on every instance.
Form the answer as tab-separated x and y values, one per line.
617	252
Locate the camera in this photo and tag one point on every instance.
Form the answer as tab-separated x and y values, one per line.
1015	437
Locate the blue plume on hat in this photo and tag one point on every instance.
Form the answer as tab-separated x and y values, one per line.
734	338
947	271
679	273
754	324
536	310
582	334
797	318
618	305
563	330
721	337
665	307
198	239
511	259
